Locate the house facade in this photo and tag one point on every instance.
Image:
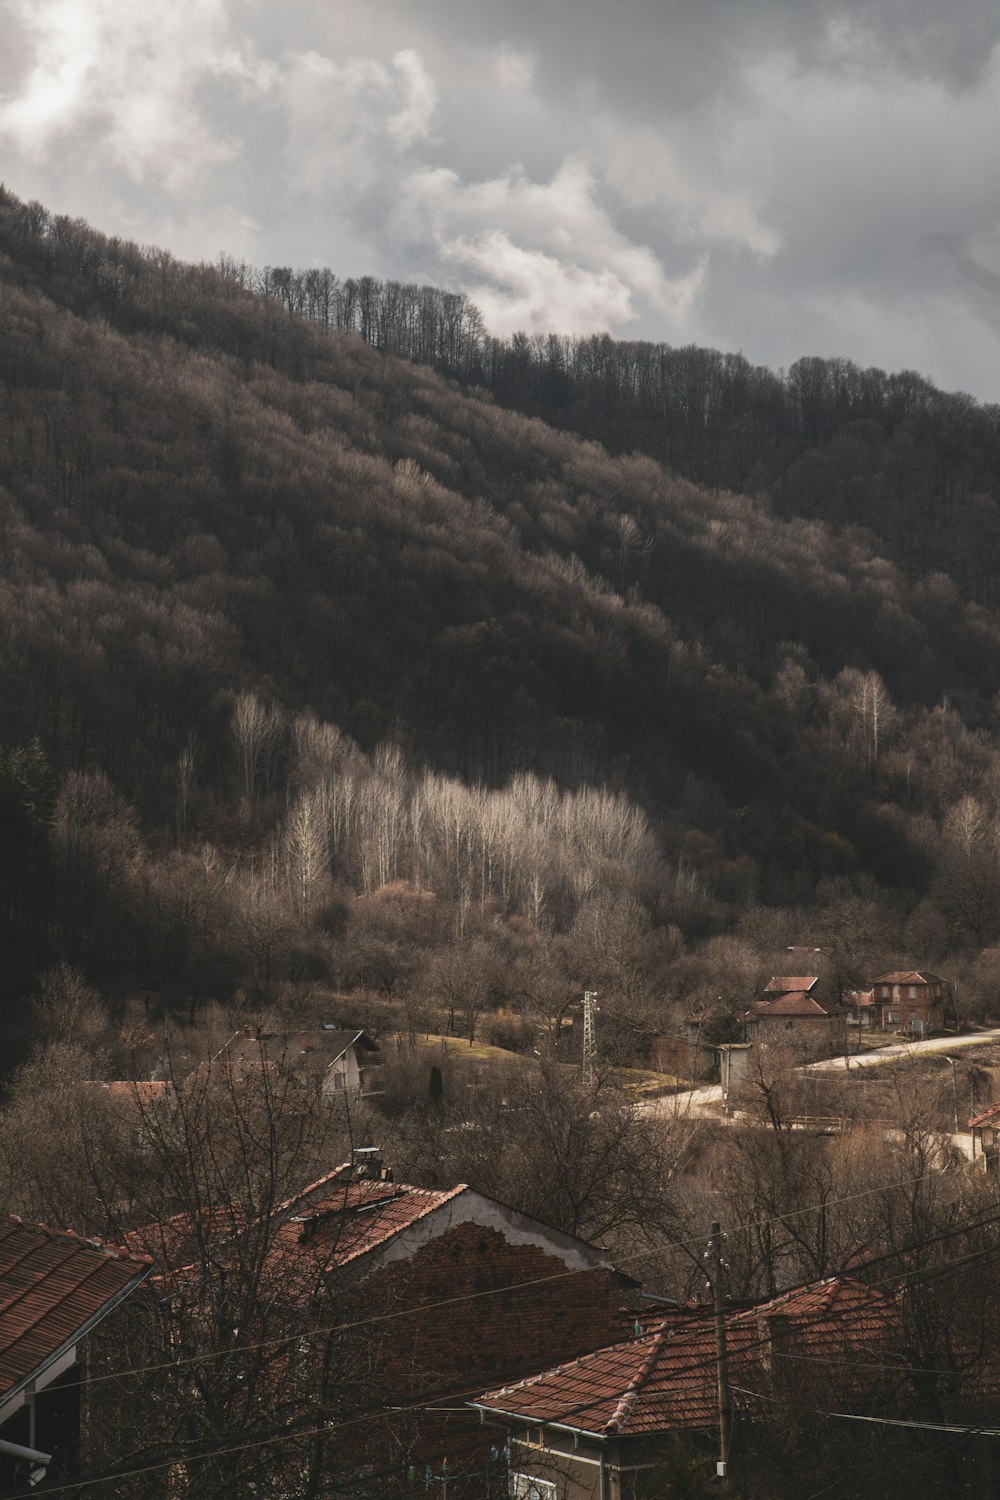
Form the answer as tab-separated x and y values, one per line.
908	1000
609	1423
354	1057
450	1290
799	1021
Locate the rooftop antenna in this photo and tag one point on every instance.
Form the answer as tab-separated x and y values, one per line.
589	1037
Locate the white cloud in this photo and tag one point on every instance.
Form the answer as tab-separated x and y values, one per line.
550	255
711	187
412	120
125	77
513	71
777	184
348	119
533	291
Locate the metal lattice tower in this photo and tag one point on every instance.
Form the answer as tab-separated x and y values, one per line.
589	1036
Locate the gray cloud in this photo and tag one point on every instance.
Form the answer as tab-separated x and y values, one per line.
785	176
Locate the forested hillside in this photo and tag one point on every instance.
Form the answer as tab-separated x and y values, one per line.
317	665
918	467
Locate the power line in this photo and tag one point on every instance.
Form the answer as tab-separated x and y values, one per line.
274	1439
379	1318
425	1404
959	1429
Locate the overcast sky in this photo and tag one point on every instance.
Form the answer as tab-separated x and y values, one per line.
784	177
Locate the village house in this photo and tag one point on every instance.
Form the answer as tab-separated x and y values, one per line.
54	1290
350	1059
606	1423
336	1060
909	1001
471	1291
791	1015
985	1129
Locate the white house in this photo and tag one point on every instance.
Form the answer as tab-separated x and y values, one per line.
355	1055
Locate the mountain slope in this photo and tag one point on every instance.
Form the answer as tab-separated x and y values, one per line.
203	494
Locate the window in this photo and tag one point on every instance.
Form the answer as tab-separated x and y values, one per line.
527	1487
892	1018
913	992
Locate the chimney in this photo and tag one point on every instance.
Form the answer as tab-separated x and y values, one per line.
366	1163
778	1337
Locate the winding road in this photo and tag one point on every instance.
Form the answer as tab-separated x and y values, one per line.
709	1096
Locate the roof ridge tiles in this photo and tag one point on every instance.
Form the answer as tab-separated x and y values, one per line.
86	1242
581	1359
634	1388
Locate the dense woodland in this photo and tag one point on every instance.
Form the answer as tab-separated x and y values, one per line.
336	684
318	666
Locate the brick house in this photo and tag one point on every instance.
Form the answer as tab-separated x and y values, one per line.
606	1422
453	1291
475	1291
791	1014
54	1289
908	1000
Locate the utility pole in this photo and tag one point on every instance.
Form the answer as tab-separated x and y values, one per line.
589	1037
954	1090
721	1352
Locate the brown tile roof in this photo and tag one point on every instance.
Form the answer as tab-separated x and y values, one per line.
795	1004
786	984
910	977
174	1243
54	1286
356	1219
336	1043
666	1379
332	1222
989	1116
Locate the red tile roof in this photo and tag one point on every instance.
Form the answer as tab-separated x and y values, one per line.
174	1242
795	1004
786	984
852	1311
350	1219
666	1379
989	1116
356	1219
54	1286
650	1384
910	977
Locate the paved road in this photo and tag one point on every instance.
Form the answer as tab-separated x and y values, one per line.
940	1046
706	1100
